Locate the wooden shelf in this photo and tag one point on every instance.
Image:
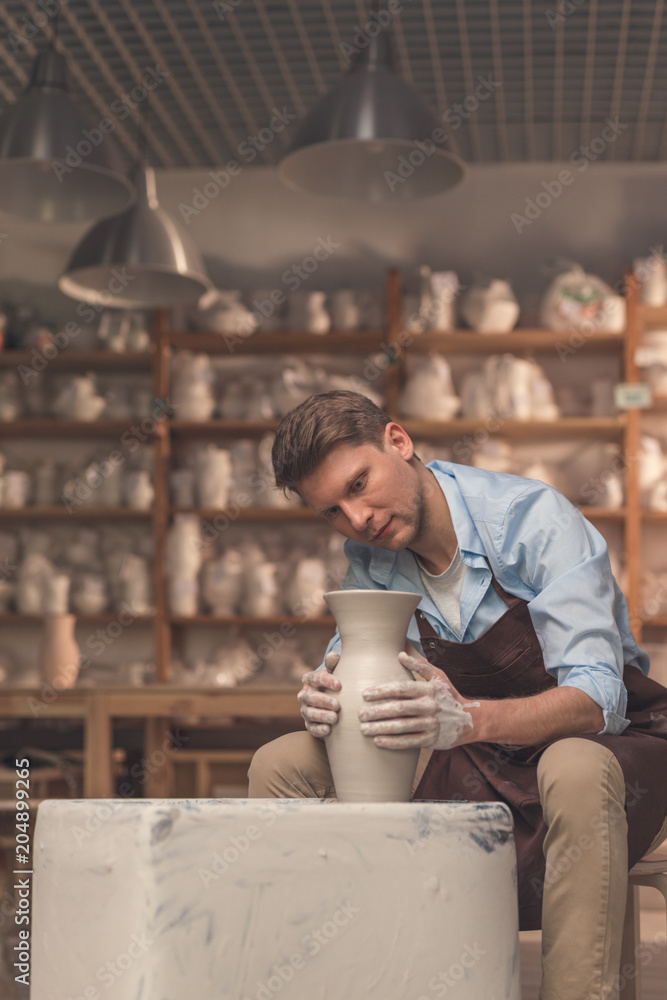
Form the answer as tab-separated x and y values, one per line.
603	513
267	514
159	702
652	315
470	342
362	342
222	428
103	618
51	427
273	621
607	427
74	361
79	513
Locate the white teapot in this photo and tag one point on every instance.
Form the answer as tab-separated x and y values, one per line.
490	309
224	312
429	392
78	399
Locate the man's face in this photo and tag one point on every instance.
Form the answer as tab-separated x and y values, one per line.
370	495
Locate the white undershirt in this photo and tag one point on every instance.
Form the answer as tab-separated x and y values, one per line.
445	590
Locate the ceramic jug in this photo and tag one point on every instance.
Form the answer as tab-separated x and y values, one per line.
214	476
373	626
59	655
345	314
139	490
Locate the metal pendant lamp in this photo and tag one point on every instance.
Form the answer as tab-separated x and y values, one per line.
141	259
51	170
371	138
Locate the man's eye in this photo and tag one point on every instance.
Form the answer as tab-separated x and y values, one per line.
359	483
331	512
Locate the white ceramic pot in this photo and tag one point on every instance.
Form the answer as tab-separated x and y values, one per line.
214	476
60	656
491	310
90	596
56	595
306	590
16	489
139	491
261	590
182	487
652	274
373	626
345	313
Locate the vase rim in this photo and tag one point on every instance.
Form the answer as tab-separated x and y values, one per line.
362	590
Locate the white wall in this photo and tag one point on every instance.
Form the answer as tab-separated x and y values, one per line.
256	228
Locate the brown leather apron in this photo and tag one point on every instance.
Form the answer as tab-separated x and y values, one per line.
506	662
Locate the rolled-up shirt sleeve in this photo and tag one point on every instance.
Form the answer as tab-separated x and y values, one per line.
562	559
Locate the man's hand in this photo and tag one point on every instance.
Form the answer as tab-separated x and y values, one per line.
319	709
423	713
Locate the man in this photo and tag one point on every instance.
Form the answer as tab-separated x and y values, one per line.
522	624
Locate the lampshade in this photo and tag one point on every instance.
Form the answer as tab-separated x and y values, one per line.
55	165
371	138
140	259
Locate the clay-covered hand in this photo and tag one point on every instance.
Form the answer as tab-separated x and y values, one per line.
319	707
421	713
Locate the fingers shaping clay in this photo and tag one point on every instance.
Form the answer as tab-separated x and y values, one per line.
373	626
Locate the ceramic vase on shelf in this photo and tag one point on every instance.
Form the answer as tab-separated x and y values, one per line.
60	656
373	626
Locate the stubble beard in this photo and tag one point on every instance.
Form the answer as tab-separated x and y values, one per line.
417	518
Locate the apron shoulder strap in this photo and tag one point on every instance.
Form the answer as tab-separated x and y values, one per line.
511	600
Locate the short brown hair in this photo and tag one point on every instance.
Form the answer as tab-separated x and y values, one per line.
309	432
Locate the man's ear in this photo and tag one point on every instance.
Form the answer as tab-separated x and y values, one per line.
396	437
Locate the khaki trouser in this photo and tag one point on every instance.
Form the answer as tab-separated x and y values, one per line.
583	796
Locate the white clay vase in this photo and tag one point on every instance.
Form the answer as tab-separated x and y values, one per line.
60	656
372	626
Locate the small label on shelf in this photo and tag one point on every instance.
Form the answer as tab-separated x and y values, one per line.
632	395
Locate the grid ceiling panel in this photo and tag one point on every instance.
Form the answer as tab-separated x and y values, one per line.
227	65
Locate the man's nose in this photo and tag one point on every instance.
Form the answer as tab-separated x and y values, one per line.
358	515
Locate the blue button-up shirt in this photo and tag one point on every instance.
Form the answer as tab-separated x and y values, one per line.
540	548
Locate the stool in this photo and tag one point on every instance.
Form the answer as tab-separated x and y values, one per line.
650	871
274	899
